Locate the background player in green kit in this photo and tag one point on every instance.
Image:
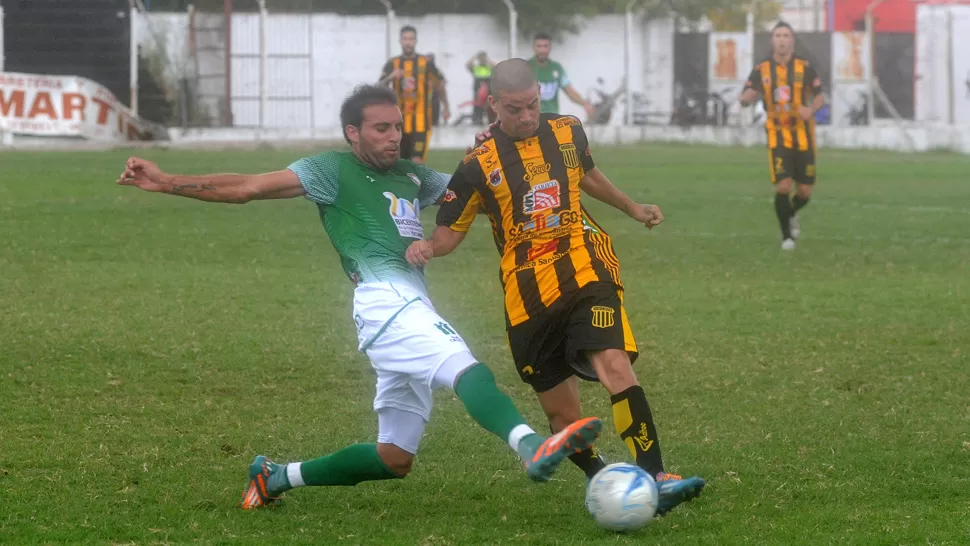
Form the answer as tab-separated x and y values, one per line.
369	201
552	78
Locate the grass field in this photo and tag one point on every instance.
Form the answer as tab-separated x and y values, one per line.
151	345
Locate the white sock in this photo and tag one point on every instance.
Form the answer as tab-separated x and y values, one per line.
294	475
519	432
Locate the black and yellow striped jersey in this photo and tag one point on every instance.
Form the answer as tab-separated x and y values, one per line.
415	89
550	246
785	87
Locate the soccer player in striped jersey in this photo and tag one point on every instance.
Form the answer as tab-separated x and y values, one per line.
792	93
415	78
564	305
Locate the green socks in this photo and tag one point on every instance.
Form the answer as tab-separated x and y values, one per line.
351	465
494	410
476	388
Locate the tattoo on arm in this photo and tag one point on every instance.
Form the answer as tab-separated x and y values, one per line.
181	188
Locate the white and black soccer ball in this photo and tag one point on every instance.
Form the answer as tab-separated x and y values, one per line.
622	497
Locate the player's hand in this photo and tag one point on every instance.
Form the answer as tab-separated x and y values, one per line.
143	174
397	74
805	112
445	112
648	215
482	136
420	253
590	111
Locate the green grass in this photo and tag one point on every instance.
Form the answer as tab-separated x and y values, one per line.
150	346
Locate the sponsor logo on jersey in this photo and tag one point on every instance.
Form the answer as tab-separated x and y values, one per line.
405	215
481	150
782	93
534	170
542	197
566	121
542	249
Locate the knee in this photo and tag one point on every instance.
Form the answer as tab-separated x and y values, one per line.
783	186
805	191
396	459
614	370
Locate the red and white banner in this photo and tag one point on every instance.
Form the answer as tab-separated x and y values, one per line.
68	106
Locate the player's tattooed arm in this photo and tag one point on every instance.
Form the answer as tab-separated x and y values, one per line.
599	187
218	188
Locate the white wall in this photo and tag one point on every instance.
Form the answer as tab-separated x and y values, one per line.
941	32
329	54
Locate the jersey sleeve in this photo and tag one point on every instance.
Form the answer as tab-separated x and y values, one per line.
436	72
461	201
815	82
318	175
433	185
582	147
388	68
753	80
563	77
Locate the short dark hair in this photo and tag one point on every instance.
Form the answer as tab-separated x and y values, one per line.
409	28
782	24
352	109
542	36
512	75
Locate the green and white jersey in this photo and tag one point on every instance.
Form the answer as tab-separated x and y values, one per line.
552	79
371	216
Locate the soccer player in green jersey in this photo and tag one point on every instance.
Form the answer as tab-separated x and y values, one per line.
552	78
369	200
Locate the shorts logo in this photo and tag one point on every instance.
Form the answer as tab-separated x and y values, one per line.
495	178
569	155
449	196
541	197
528	370
535	170
603	316
419	146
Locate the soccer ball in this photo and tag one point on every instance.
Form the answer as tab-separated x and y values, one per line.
622	497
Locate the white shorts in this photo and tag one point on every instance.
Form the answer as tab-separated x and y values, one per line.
412	349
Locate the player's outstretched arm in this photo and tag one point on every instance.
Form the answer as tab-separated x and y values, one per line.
748	97
599	187
218	188
443	241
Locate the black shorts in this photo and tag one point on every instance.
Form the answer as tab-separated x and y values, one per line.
795	164
415	145
550	348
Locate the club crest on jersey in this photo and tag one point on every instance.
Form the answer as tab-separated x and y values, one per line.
495	177
541	197
569	155
405	215
414	178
